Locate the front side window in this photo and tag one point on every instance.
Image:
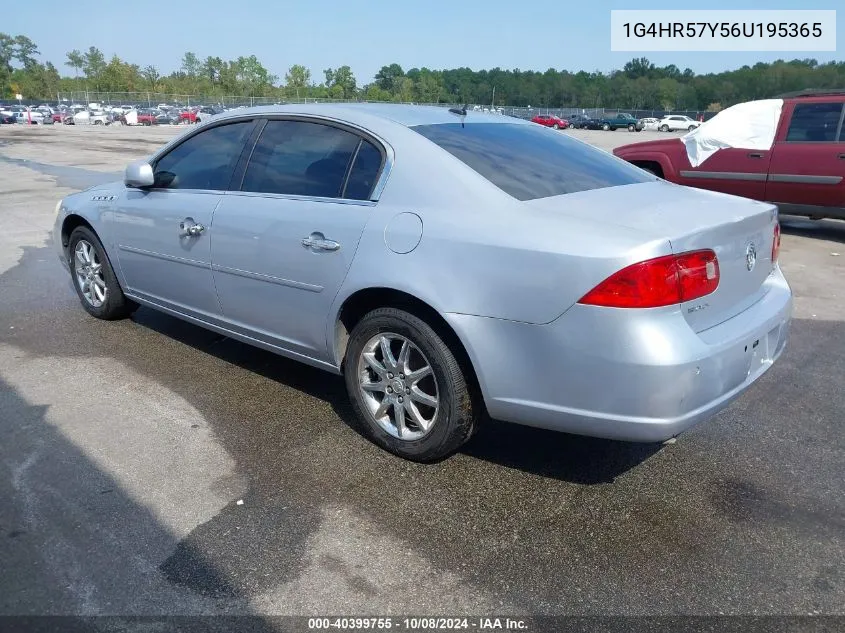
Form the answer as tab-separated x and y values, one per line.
529	161
204	161
814	123
300	158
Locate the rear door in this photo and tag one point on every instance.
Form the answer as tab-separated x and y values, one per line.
808	166
283	243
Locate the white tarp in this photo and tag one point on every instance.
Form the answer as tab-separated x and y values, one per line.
750	125
132	117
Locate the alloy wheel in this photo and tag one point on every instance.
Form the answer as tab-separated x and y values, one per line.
89	274
398	386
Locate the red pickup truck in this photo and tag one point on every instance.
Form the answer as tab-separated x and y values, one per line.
803	172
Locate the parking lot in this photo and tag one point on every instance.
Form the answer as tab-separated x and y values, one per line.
151	467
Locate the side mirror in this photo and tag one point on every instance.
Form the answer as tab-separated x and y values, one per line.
138	174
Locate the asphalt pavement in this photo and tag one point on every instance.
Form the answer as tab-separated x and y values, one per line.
148	466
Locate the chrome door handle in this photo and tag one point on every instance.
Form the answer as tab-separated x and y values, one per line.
755	155
842	157
188	227
318	242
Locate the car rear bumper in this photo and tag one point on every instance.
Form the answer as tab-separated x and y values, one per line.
637	375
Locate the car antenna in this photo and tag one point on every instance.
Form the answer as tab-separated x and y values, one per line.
461	112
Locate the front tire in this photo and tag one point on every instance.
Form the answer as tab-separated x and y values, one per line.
407	388
605	127
556	126
691	128
94	279
664	128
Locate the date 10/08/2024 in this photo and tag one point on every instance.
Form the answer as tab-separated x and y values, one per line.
417	624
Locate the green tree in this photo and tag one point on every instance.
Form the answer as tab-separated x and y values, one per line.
374	92
388	77
151	76
94	65
7	53
639	67
75	60
345	80
211	68
297	78
25	51
191	65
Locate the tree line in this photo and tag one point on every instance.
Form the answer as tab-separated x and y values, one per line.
640	84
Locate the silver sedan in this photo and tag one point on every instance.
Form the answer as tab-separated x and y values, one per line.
450	265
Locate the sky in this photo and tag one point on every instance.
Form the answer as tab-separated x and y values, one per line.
368	34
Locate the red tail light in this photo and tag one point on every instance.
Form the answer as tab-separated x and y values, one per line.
776	244
658	282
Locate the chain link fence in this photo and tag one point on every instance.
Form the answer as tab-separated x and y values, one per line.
155	99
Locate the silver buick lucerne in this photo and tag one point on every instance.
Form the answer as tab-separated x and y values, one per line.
450	265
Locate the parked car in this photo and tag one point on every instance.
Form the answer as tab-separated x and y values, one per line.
148	117
620	120
649	123
8	119
27	117
549	120
170	117
91	117
677	122
440	305
802	170
197	115
584	122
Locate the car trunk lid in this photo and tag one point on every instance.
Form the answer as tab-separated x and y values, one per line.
740	231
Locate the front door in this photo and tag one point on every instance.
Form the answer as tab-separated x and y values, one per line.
741	172
283	244
163	233
808	166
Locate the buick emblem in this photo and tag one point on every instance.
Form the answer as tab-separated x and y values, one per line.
750	256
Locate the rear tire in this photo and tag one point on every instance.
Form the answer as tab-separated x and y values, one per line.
605	127
376	384
94	278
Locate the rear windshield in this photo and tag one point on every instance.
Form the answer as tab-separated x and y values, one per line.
531	161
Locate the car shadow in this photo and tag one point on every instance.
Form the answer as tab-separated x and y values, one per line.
825	229
562	456
73	540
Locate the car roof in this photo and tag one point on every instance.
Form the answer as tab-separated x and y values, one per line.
821	92
364	113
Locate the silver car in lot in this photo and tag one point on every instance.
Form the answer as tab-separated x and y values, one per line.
451	266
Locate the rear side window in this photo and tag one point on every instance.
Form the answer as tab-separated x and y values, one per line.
300	158
815	123
364	172
528	161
